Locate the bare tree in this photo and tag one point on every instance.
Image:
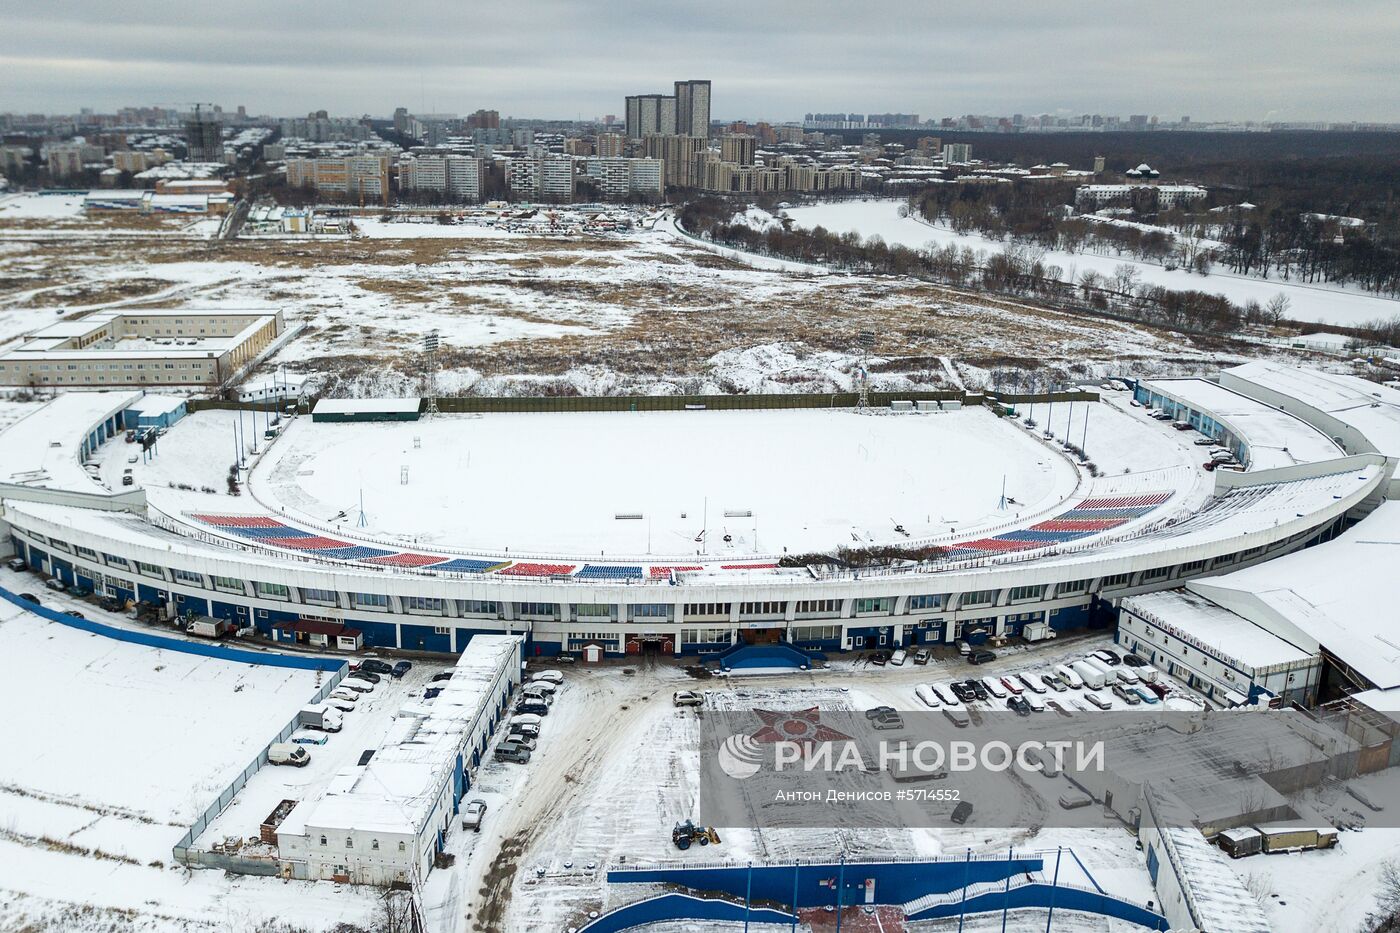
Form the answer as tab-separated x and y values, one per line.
1277	307
1125	277
1386	917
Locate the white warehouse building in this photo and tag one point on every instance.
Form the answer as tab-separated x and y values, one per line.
383	823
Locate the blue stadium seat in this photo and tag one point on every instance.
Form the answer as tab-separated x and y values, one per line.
354	553
608	572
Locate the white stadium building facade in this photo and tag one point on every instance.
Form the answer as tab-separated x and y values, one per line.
1313	467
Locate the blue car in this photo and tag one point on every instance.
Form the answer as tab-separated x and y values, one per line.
401	668
1147	695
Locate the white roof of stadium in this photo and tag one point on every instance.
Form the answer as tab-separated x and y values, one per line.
1341	595
1371	408
41	449
1275	437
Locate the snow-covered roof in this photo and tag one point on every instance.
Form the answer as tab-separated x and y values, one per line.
400	787
42	448
1370	408
1228	635
152	405
1340	595
1275	437
351	406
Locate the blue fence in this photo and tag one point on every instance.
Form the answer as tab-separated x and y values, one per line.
1043	896
681	907
164	642
815	884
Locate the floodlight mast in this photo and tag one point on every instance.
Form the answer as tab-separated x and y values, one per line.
430	348
865	340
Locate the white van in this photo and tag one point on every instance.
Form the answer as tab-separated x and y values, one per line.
285	753
1068	675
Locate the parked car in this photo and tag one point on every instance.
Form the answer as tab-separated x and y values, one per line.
1054	682
365	756
1110	658
1013	687
110	604
964	648
880	658
527	729
285	753
1203	441
432	693
925	694
128	480
1122	693
961	813
340	693
1098	701
876	712
1148	696
542	686
899	657
1032	682
307	737
441	676
1034	702
31	598
1019	706
921	657
548	677
529	692
963	691
528	705
345	706
54	583
355	684
373	666
994	687
1157	688
531	719
885	721
1132	660
979	689
527	742
957	717
1074	799
369	676
74	613
17	565
564	659
401	668
981	657
945	695
473	814
509	751
687	698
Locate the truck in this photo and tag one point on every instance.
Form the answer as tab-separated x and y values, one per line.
1290	837
1089	672
1037	631
209	627
319	717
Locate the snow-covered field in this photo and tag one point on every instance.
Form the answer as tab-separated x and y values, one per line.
555	484
110	750
1329	304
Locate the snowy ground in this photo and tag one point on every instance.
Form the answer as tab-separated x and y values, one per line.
1329	304
110	750
554	484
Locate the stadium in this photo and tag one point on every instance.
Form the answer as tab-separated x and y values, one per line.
633	532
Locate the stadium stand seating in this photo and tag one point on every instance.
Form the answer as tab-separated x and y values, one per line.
747	566
661	573
358	552
529	569
608	572
262	533
306	543
239	521
406	560
464	565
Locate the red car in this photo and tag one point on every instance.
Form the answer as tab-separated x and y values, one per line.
1013	688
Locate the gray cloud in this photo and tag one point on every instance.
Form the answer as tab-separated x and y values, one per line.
1249	59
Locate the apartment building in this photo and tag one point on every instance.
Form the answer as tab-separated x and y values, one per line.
678	155
957	152
140	347
546	176
609	145
363	177
65	161
693	108
455	177
651	115
620	178
787	174
738	147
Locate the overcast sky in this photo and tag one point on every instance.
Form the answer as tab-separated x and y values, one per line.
769	59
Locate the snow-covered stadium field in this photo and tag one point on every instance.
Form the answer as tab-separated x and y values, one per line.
557	484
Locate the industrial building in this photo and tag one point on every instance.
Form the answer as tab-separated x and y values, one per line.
141	347
382	823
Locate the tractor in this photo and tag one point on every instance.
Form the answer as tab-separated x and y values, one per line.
685	833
